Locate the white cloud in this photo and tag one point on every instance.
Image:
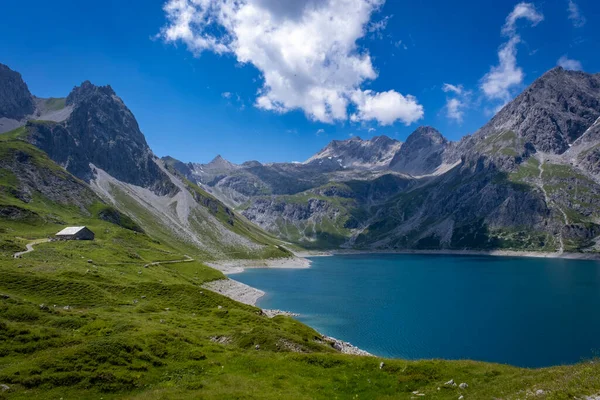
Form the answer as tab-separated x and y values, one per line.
371	130
569	64
386	107
521	11
452	88
226	95
575	15
379	26
456	105
305	50
454	109
320	132
502	78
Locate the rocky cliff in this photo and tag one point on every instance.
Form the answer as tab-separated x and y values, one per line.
16	102
101	131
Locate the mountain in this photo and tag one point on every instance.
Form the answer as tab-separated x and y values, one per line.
422	153
371	154
527	180
98	144
100	132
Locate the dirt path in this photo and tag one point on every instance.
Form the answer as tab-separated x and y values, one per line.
548	201
187	259
30	247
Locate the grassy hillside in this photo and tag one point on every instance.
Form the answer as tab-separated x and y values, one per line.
85	320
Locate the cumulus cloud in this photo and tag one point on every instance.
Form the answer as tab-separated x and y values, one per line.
569	64
306	51
575	15
498	82
386	107
320	132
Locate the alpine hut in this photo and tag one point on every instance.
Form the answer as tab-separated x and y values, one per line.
75	233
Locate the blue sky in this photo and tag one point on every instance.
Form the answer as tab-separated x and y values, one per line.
222	88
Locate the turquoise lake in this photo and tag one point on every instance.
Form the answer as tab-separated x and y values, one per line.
521	311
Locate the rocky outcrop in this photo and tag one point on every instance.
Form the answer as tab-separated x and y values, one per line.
550	114
357	153
16	102
422	153
101	131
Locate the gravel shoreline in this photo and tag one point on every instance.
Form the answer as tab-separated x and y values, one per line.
495	253
231	267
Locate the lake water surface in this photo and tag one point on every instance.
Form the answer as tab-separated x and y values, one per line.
521	311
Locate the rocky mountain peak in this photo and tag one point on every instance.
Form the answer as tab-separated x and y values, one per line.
101	131
220	163
550	114
358	153
88	90
422	153
425	135
16	102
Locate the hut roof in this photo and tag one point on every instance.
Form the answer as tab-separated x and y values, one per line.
71	230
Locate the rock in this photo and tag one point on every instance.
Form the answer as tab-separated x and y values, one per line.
44	307
463	385
167	309
162	321
381	365
143	297
219	307
67	308
4	388
450	383
257	347
461	397
90	261
5	296
16	101
422	153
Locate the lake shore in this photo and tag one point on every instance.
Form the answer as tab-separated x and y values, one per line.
493	253
230	267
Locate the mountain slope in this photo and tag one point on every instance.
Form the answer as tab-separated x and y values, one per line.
527	180
100	143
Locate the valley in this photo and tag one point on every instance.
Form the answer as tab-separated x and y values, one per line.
130	314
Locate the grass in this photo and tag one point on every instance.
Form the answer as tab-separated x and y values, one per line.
55	104
73	329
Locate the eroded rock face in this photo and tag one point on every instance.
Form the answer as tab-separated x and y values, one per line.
422	153
552	113
101	131
16	101
375	153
